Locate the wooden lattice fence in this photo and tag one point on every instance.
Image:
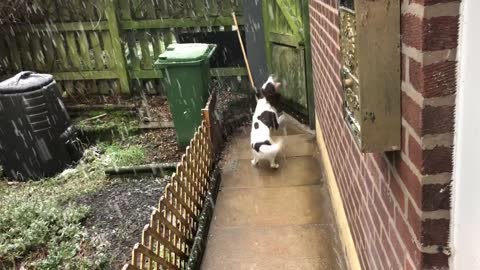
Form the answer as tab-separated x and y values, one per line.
167	240
107	46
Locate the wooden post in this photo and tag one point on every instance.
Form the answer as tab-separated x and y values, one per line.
117	54
308	65
206	117
266	28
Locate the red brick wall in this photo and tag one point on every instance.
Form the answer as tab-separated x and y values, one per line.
397	203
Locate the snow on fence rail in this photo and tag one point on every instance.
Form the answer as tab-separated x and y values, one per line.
167	240
107	46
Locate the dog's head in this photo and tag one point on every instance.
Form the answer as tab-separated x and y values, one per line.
271	92
271	81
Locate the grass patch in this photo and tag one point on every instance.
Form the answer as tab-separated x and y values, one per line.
125	156
41	226
116	124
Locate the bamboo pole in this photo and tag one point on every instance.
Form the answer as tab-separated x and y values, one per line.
243	50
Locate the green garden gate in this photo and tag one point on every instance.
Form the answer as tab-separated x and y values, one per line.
287	38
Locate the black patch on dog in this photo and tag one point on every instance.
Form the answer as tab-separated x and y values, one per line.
257	145
269	119
256	125
273	97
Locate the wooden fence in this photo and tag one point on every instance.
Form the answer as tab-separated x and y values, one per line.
167	240
108	46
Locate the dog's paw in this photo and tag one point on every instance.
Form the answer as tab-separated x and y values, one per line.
254	162
275	166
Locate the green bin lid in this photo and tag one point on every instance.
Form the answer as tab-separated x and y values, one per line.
186	53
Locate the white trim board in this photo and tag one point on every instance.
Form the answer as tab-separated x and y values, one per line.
465	223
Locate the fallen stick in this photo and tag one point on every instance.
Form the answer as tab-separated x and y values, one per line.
153	169
94	118
87	107
157	125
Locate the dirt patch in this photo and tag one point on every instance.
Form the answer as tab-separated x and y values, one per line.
123	128
160	145
156	109
118	214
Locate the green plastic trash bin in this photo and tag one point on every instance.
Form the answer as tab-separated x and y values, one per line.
186	77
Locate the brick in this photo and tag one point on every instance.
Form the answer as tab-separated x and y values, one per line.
434	80
409	266
437	261
435	232
384	215
437	120
438	160
440	33
409	179
398	194
382	261
406	237
415	71
436	197
404	140
390	250
415	153
398	244
412	30
440	79
414	220
437	33
386	196
412	113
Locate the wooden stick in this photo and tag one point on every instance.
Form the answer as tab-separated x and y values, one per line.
243	50
94	118
153	169
87	107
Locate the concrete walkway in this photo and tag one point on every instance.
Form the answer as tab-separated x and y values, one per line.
273	219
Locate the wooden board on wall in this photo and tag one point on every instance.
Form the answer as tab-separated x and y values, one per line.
378	28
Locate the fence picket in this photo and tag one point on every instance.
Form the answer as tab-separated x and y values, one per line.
144	45
62	61
136	6
103	86
157	44
4	59
73	50
125	9
84	51
62	12
49	51
27	61
161	9
15	57
107	49
118	52
37	53
149	9
97	50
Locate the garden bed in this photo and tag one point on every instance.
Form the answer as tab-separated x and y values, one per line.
82	219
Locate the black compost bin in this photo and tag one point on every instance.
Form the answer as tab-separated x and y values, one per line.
36	136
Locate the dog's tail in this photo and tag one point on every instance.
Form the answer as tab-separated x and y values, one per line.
272	149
